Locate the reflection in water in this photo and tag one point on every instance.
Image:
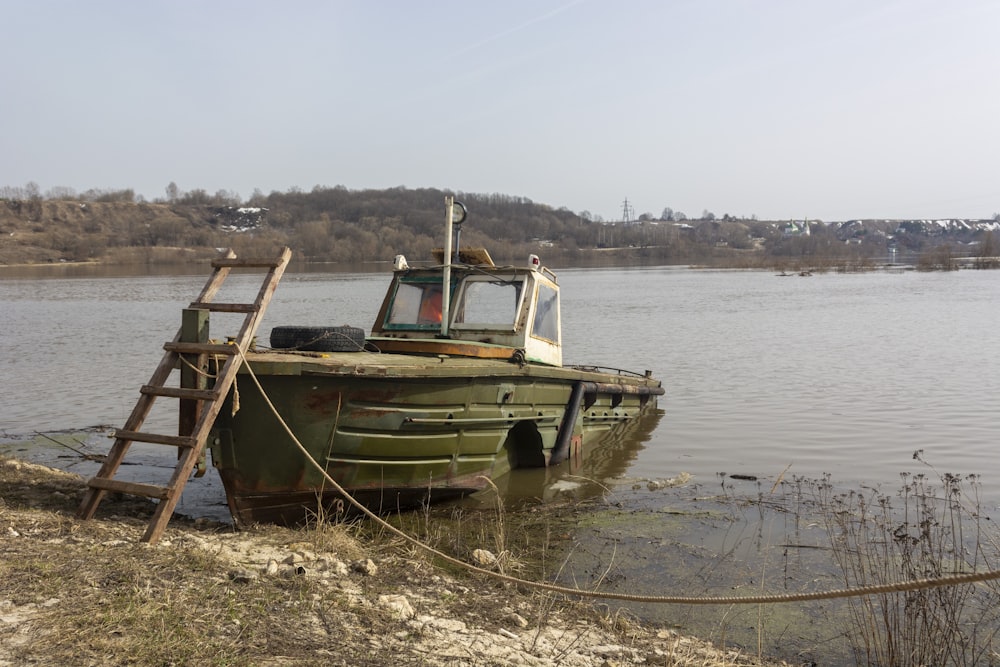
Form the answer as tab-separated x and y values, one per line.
606	460
714	540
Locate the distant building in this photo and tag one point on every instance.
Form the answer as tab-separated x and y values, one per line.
794	228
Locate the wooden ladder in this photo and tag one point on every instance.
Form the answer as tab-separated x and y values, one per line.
199	405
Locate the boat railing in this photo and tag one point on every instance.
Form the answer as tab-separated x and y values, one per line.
609	370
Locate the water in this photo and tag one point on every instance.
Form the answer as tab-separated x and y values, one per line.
840	374
779	377
765	376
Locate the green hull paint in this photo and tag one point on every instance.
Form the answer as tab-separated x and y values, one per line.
395	429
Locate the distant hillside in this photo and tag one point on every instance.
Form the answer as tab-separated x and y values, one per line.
349	226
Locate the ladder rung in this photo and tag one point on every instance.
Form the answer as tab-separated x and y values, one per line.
225	307
131	488
156	438
180	392
199	348
249	262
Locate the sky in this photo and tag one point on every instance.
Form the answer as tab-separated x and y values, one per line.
780	109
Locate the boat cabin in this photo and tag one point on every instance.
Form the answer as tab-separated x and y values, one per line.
488	312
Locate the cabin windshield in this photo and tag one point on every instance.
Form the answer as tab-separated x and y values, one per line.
415	305
479	303
488	303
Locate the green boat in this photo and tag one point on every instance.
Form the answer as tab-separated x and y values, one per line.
460	380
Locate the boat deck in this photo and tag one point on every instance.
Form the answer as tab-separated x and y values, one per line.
375	364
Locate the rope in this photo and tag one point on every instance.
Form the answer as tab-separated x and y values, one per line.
206	374
898	587
199	371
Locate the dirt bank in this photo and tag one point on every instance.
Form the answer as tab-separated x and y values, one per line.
87	593
47	232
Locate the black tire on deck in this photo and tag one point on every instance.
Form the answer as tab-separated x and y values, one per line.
318	339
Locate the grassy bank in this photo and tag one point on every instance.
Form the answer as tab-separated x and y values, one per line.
82	593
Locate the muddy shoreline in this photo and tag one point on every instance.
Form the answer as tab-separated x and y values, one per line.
671	537
403	606
88	593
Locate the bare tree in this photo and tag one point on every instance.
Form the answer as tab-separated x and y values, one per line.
60	192
987	258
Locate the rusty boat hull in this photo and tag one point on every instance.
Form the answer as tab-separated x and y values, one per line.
398	430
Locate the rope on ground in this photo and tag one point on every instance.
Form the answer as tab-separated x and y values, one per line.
898	587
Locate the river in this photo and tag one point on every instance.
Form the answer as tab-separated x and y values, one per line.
767	377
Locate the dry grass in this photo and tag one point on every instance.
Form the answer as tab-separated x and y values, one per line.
932	527
87	593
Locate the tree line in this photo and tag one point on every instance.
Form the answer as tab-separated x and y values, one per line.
335	224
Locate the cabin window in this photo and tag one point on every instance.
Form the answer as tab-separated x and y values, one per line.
546	322
488	304
416	304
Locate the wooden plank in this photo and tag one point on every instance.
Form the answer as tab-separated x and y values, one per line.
156	438
443	346
194	325
199	348
246	263
131	488
194	329
220	307
180	392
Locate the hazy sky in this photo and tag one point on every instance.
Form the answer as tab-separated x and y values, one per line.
781	109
